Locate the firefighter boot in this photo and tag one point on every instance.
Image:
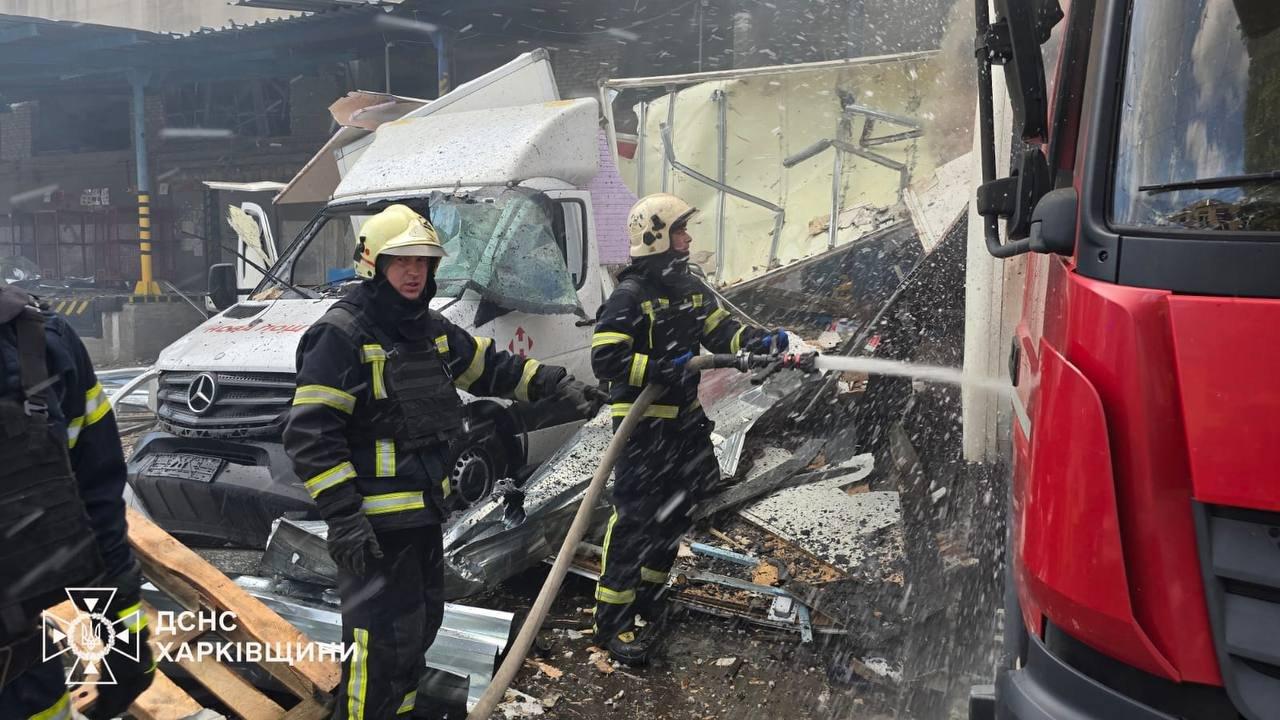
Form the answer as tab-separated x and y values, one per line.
636	646
630	647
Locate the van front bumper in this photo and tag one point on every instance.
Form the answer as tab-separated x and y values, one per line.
215	492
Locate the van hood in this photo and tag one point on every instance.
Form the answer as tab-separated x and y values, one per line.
256	336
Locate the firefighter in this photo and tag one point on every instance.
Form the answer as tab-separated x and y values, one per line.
62	514
369	434
651	325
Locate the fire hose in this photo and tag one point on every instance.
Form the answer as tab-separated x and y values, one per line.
582	520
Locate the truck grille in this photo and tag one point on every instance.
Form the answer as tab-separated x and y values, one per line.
1240	559
243	404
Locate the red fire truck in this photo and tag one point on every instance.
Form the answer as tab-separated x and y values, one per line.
1144	185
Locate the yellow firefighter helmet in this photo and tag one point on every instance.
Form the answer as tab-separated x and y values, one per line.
651	220
397	230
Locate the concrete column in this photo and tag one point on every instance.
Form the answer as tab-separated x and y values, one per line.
15	131
992	306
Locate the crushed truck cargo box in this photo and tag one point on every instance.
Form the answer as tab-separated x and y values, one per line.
758	132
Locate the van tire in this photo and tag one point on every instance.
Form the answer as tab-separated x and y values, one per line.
478	463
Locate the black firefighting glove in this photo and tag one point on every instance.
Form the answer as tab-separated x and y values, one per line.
352	543
586	399
546	382
132	676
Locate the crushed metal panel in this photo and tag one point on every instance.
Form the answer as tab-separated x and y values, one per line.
526	80
478	148
734	404
761	483
257	186
367	110
317	180
935	201
827	522
297	549
481	551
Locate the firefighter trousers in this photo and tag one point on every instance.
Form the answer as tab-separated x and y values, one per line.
660	477
390	615
39	692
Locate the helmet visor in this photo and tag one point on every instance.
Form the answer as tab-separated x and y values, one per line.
423	250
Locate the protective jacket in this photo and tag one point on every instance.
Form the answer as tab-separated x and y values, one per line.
658	312
60	460
376	404
62	514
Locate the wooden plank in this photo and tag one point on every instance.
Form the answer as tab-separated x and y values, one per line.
308	709
244	700
255	622
164	701
171	584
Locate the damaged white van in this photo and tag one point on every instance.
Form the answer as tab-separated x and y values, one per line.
505	185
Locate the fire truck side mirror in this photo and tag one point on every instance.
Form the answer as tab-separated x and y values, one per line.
1013	40
1053	223
222	285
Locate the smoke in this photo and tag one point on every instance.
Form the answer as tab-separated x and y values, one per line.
949	105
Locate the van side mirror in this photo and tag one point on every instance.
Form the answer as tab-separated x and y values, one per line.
222	285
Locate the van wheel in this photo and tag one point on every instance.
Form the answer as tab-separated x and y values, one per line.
478	465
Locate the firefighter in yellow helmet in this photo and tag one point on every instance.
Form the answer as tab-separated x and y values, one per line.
375	409
657	318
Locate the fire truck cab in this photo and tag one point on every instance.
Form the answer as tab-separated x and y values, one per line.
1144	514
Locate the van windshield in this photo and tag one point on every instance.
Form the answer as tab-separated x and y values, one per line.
1199	120
502	243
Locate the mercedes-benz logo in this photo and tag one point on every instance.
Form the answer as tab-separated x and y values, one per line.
201	393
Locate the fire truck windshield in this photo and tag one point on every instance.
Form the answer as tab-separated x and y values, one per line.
1199	144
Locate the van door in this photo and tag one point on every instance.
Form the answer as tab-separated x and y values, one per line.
254	242
573	208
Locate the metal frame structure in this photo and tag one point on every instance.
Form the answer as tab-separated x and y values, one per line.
866	141
609	90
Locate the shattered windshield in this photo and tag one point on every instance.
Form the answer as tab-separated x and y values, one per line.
501	243
1201	113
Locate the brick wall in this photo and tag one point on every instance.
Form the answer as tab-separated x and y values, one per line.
611	199
15	131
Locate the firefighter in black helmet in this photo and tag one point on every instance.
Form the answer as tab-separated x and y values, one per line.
369	430
62	519
648	329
